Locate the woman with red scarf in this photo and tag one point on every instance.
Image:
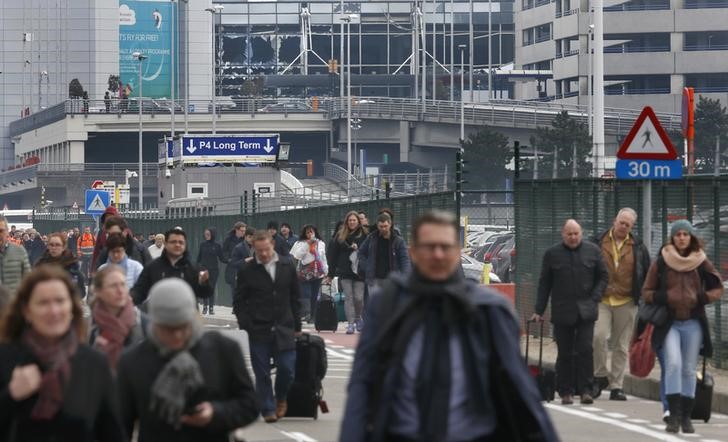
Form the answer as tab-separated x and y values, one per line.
310	252
116	323
52	386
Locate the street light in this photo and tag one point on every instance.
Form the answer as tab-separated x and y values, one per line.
462	92
140	57
213	10
347	19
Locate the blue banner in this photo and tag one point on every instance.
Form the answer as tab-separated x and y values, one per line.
253	148
167	156
649	169
145	26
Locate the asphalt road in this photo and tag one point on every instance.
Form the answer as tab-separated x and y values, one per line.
604	421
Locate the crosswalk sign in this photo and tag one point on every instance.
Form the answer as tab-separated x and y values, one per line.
647	140
97	201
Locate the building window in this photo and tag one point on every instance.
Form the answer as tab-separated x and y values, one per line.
544	65
701	4
637	84
528	37
627	43
640	5
527	4
706	41
707	83
537	34
196	190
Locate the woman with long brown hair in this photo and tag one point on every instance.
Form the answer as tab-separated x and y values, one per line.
57	253
342	263
52	386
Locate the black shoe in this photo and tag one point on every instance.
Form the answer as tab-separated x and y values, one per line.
617	395
204	310
600	383
675	418
212	311
586	399
687	410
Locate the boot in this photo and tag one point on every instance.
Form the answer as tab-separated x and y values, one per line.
687	411
673	421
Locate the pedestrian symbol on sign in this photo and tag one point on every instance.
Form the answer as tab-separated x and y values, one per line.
647	134
97	204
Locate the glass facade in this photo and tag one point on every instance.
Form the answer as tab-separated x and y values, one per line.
258	40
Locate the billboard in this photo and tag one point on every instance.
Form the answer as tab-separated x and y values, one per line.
145	26
250	148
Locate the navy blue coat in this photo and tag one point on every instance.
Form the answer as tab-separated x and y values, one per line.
505	350
398	256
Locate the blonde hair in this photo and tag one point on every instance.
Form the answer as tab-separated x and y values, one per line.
344	231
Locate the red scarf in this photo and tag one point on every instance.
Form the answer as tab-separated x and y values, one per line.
113	328
55	364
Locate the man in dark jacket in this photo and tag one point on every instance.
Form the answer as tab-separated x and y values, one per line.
267	305
281	245
182	383
440	358
208	256
627	260
174	263
37	247
241	252
381	253
233	238
573	274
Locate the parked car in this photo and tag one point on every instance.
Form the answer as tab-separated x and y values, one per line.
289	106
503	260
474	270
491	247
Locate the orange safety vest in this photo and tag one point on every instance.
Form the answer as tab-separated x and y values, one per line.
86	244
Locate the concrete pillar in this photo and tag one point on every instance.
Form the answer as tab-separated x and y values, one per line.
77	154
404	141
677	82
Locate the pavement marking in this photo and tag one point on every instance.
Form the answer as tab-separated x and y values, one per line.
328	341
339	355
710	440
591	409
638	421
616	415
658	426
336	377
350	351
336	346
297	436
337	369
627	426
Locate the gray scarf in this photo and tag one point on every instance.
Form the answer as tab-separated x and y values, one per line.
179	381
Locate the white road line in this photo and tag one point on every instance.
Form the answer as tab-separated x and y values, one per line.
336	346
627	426
693	435
297	436
349	351
638	421
616	415
710	440
591	409
336	377
338	369
339	355
328	341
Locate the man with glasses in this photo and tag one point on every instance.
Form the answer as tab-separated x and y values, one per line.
440	357
14	264
174	263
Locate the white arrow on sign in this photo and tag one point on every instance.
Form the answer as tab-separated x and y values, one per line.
268	148
191	148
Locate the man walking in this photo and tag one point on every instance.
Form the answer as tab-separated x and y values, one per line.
627	260
233	238
574	276
267	305
440	359
382	253
14	264
85	248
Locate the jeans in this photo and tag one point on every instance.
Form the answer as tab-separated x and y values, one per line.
375	283
681	348
574	362
309	295
661	359
285	362
353	298
617	322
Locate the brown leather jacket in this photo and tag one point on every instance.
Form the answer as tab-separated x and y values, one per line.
686	293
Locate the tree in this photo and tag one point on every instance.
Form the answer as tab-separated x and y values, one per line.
75	90
711	122
487	154
113	83
564	134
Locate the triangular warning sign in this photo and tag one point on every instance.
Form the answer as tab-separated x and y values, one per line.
97	204
647	140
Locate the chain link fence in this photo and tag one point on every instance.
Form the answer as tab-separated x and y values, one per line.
542	206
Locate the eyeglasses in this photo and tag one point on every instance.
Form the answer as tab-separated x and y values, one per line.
432	248
175	241
55	244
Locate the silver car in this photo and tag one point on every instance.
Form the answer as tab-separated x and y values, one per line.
473	269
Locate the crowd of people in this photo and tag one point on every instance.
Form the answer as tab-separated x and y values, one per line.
597	287
139	361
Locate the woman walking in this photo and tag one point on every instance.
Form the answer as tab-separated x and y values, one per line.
57	253
310	252
343	263
683	280
207	258
116	246
55	388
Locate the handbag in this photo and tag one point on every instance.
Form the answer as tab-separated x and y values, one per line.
641	355
655	314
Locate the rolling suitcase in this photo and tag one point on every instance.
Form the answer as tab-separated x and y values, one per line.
340	309
326	319
305	396
545	377
703	396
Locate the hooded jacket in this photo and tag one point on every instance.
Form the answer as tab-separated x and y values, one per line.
70	265
37	248
210	253
162	268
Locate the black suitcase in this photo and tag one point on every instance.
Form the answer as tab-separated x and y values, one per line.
306	393
545	377
326	317
703	396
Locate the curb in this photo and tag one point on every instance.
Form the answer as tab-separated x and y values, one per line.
648	388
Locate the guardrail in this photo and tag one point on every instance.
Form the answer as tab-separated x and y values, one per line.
513	113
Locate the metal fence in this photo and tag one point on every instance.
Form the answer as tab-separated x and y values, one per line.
543	205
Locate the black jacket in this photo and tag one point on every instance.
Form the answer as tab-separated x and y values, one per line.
162	268
281	245
134	250
500	369
227	387
231	240
237	259
641	263
337	255
37	248
265	308
90	409
575	280
210	253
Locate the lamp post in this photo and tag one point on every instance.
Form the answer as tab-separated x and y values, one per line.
347	19
140	57
40	84
462	92
214	10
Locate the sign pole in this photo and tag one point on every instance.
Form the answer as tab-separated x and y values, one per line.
647	212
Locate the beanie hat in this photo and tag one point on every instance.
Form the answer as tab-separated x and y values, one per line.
172	302
682	224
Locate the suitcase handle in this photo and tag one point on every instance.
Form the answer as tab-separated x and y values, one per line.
540	347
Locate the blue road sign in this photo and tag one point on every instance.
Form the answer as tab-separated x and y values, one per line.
97	201
252	148
649	170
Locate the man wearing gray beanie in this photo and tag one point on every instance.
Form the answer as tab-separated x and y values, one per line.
183	384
